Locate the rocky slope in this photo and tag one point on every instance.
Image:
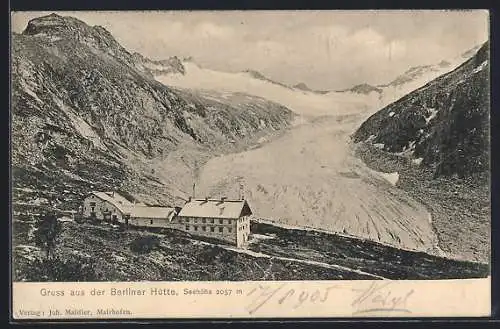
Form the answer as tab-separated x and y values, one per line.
87	114
444	124
437	139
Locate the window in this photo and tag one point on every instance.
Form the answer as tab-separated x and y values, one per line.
204	220
221	221
92	204
229	229
220	229
211	220
204	228
187	227
212	229
196	220
151	222
196	228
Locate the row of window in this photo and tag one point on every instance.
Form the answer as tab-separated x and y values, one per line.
93	205
205	220
210	229
208	220
92	209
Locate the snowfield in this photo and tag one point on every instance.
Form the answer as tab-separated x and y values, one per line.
301	102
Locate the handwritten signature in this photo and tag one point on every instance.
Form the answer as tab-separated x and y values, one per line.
262	295
380	298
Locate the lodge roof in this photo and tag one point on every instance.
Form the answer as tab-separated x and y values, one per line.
135	210
215	208
115	199
151	212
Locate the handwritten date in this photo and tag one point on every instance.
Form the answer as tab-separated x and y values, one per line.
290	297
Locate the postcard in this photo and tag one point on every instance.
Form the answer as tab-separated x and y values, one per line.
250	164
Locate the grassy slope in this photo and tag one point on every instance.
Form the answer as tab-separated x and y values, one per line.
364	255
180	256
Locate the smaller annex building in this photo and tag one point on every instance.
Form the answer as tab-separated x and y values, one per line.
227	220
114	208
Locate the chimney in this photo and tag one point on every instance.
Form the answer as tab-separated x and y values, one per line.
190	199
242	192
194	190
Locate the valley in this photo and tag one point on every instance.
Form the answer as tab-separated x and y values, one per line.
310	177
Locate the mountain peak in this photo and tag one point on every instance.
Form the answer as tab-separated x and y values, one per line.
363	88
66	27
444	63
53	27
256	74
302	86
53	23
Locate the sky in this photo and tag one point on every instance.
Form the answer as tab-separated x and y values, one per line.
324	49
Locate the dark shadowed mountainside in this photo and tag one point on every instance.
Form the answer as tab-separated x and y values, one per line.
445	123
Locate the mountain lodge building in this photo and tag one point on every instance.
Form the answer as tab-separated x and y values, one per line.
222	219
